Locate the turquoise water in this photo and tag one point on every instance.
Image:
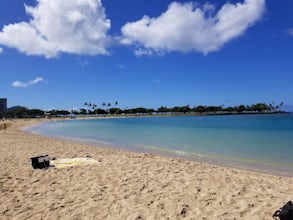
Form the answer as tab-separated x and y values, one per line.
255	141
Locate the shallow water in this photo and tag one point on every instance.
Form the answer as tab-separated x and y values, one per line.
262	142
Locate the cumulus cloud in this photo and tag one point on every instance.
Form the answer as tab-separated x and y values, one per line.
185	27
56	26
1	50
19	84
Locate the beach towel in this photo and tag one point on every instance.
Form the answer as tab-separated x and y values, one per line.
72	162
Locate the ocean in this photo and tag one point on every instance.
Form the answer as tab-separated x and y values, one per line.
255	142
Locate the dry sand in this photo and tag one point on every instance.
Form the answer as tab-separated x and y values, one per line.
127	185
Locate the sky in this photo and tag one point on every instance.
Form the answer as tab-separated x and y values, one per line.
59	54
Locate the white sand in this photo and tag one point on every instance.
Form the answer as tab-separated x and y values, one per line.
127	185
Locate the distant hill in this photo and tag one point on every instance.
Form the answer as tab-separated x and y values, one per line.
13	108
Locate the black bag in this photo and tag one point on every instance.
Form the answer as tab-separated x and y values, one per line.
285	213
40	162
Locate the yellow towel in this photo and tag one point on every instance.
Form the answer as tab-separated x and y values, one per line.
71	162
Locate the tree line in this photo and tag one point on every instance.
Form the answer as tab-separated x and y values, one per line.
107	109
92	109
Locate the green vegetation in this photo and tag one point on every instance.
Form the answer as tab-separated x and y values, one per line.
107	110
22	112
205	110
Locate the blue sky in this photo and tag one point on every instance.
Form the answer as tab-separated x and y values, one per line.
58	54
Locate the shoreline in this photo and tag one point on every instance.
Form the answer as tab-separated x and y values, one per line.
127	185
245	164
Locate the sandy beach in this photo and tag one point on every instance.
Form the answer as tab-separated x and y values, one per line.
127	185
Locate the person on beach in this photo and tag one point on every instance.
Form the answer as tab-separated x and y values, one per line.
4	126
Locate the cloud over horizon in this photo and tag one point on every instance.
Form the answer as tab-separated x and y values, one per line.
77	27
184	27
19	84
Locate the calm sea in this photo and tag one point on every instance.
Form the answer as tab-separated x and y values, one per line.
258	142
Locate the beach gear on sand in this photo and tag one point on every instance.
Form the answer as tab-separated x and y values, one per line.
71	162
285	213
40	162
4	126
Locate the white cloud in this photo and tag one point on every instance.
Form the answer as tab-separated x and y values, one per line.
20	84
78	27
186	27
82	62
37	80
120	66
290	32
156	82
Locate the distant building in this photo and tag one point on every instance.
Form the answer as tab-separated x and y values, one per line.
3	105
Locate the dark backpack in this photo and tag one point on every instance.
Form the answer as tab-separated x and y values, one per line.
40	162
285	213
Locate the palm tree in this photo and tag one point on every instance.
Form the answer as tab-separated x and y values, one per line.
279	106
85	104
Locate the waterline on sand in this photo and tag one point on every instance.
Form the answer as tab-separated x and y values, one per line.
258	142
